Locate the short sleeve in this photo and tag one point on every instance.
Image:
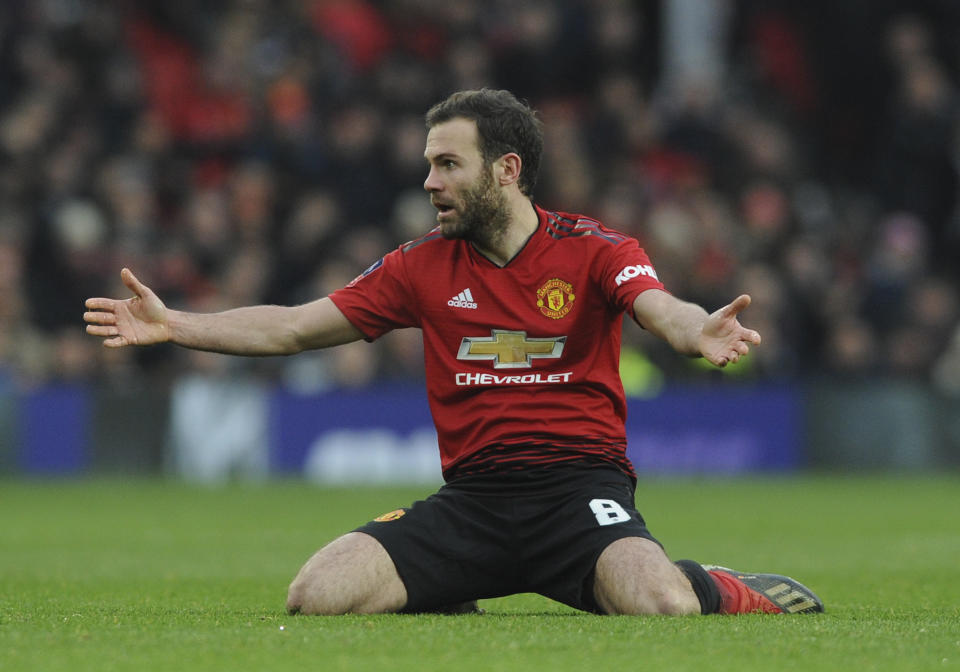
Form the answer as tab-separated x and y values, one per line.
380	299
627	272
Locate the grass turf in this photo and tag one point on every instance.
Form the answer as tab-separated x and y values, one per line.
153	575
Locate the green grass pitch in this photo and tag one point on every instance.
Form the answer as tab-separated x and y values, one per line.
154	575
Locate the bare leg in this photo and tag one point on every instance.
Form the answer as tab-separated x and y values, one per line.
352	574
635	576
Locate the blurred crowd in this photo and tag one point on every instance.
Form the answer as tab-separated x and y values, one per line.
246	151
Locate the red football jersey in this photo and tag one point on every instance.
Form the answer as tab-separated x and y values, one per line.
522	362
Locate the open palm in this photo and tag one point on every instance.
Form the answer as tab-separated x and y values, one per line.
139	320
723	339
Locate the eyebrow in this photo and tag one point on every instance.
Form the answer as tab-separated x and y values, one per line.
441	157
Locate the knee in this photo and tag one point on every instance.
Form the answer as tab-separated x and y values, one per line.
305	598
352	574
297	602
313	591
295	598
673	603
651	603
634	576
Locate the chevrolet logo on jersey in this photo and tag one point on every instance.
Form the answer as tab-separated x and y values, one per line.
510	349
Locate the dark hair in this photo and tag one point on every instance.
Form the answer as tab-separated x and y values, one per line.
504	124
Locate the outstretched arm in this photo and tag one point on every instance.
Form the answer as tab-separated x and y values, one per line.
143	319
718	337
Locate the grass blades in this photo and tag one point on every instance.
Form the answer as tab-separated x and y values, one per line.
156	575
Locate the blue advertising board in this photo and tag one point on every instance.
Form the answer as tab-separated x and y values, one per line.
385	434
714	430
54	431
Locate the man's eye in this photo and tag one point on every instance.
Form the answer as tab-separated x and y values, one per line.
449	164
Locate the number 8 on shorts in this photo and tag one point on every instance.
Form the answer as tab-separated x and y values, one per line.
608	512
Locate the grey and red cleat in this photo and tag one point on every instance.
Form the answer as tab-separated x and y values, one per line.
743	593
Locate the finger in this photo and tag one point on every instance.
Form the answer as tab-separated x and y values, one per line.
130	280
752	336
736	306
732	357
102	330
100	318
99	303
116	342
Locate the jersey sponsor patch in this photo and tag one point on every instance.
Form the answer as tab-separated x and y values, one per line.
480	379
631	272
510	349
555	298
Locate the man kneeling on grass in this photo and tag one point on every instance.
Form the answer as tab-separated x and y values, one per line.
521	310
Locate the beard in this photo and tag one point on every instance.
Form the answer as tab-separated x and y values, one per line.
483	214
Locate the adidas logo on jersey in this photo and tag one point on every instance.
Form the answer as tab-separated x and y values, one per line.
463	300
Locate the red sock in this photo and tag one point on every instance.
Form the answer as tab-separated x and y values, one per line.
737	598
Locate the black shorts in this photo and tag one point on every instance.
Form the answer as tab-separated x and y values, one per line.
526	532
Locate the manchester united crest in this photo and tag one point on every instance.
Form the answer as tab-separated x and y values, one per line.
555	298
392	515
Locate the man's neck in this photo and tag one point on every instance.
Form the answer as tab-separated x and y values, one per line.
523	223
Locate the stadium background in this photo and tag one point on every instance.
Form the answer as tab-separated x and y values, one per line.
233	152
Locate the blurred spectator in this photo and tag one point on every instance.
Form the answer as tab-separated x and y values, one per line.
917	169
946	372
852	349
246	151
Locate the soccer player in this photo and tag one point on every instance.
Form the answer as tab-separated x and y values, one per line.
521	310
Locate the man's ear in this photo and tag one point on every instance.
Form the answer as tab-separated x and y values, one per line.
508	168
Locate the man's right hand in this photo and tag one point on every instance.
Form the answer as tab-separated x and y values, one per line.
139	320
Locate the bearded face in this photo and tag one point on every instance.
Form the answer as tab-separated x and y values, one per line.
470	204
480	215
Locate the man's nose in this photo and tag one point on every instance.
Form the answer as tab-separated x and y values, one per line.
432	183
